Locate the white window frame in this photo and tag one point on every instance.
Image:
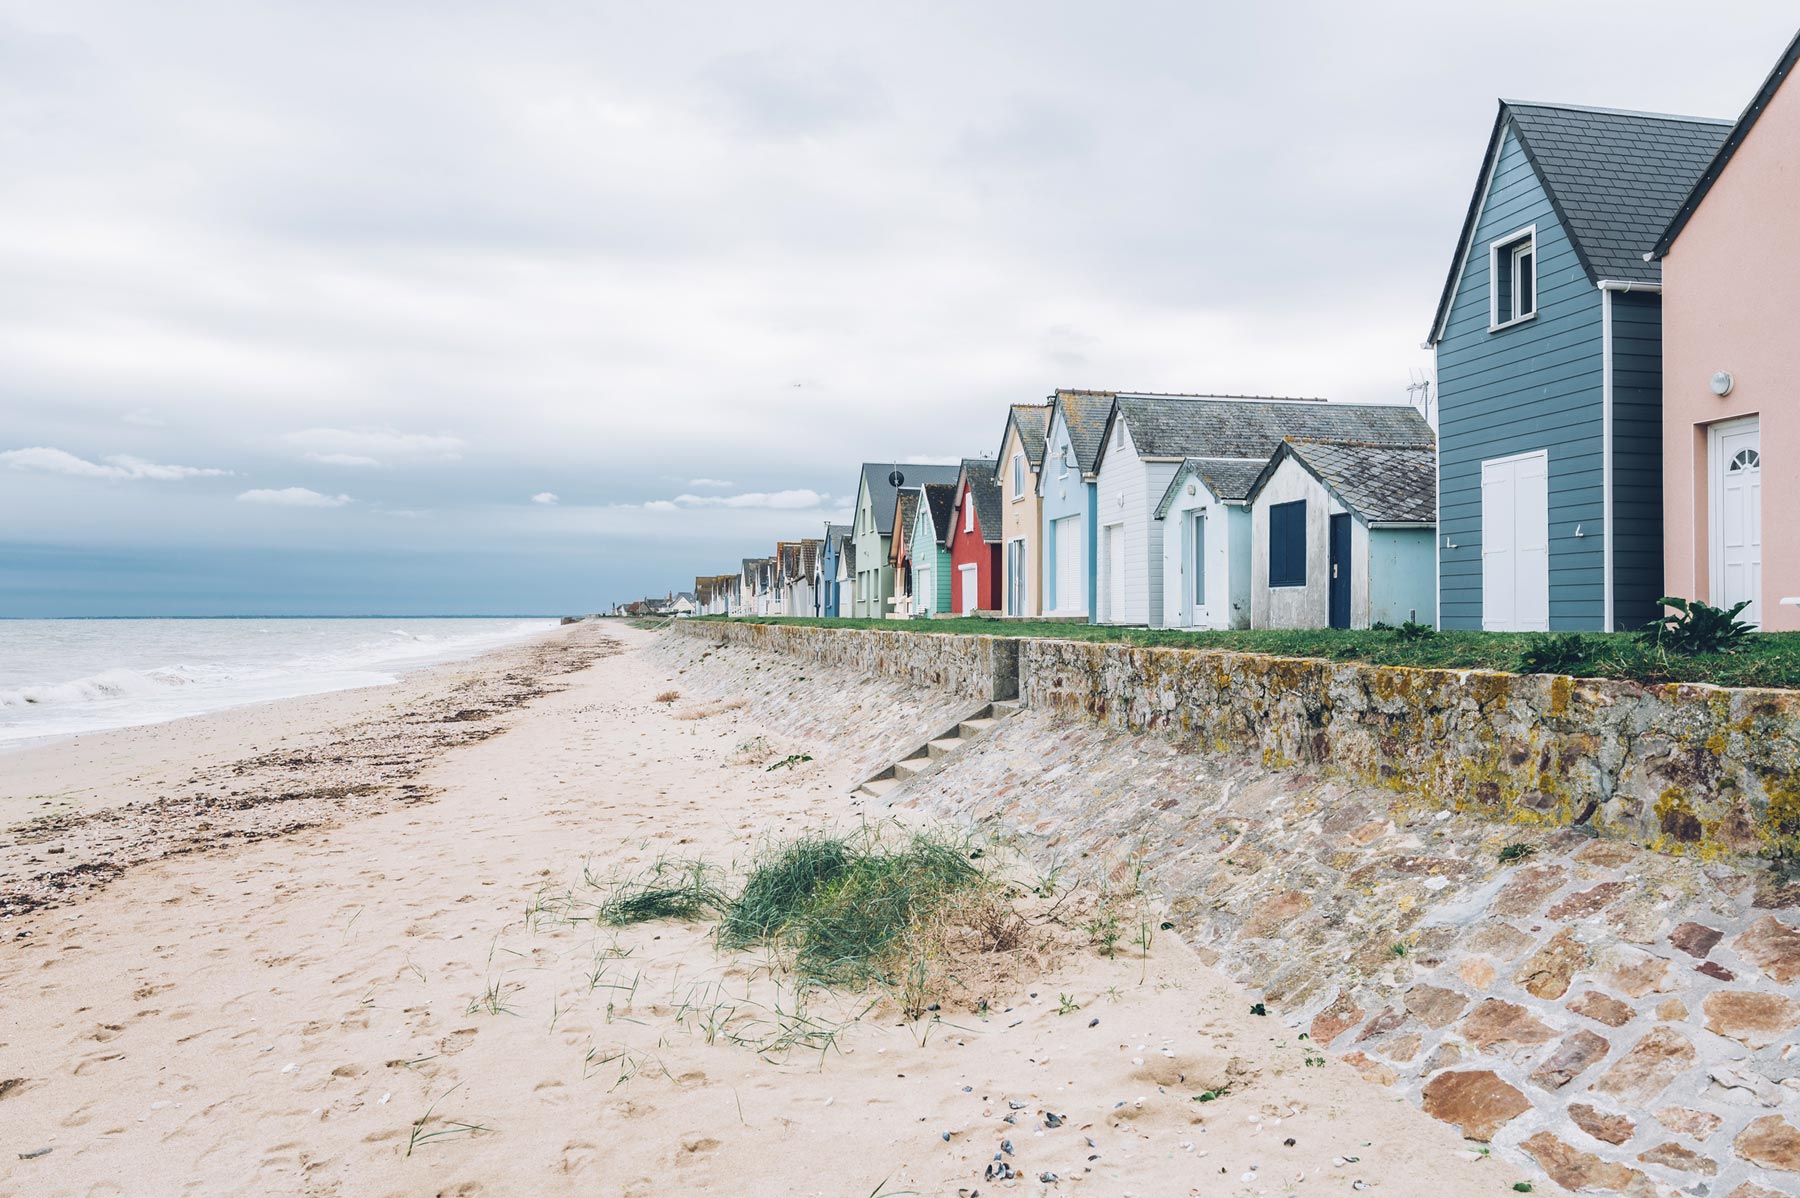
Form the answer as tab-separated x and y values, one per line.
968	512
1018	477
1507	248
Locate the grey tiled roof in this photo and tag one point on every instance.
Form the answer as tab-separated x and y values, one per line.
984	491
849	554
875	475
1227	478
1212	427
1085	413
1033	422
1616	178
1380	483
941	497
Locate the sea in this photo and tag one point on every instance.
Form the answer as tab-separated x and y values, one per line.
59	678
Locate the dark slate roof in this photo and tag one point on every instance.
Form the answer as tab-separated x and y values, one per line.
1195	426
1746	120
941	497
1033	422
849	555
1384	484
875	477
1085	412
1229	479
984	491
906	505
1615	179
836	530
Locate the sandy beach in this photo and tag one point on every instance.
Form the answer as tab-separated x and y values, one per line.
322	947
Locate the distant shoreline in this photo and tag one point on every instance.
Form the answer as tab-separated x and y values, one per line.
502	615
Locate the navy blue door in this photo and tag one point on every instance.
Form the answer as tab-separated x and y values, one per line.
1340	572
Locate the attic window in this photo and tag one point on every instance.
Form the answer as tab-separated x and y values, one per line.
1018	476
1512	271
968	512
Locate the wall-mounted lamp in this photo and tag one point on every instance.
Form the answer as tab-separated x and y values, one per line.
1578	531
1722	383
1448	543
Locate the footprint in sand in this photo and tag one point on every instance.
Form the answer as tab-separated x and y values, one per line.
348	1071
551	1093
88	1063
456	1041
698	1146
577	1155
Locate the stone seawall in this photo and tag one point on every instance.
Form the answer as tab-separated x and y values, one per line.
1691	769
1626	1020
1681	768
973	667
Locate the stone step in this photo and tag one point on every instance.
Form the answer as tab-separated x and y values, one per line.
912	765
877	787
944	747
970	729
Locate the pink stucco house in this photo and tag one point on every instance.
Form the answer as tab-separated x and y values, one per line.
1731	367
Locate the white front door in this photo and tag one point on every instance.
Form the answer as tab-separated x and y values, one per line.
1194	570
1069	597
1515	543
926	600
968	589
1115	573
1736	503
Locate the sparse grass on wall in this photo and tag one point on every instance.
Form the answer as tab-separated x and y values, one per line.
1769	659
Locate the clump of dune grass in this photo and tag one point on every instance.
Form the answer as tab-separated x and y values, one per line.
667	697
671	888
862	910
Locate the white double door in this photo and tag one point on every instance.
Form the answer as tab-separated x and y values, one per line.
1515	543
970	591
1734	452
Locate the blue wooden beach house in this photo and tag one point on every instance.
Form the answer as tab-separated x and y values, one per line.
1548	337
1066	487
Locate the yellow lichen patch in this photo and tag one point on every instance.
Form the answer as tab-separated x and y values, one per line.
1561	688
1781	822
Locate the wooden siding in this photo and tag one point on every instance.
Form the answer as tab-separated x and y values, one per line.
1120	492
1637	458
1065	495
928	555
874	576
1534	386
1023	521
972	549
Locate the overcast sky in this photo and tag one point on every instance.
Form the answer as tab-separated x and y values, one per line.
527	307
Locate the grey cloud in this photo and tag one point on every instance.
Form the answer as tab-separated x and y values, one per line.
780	93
